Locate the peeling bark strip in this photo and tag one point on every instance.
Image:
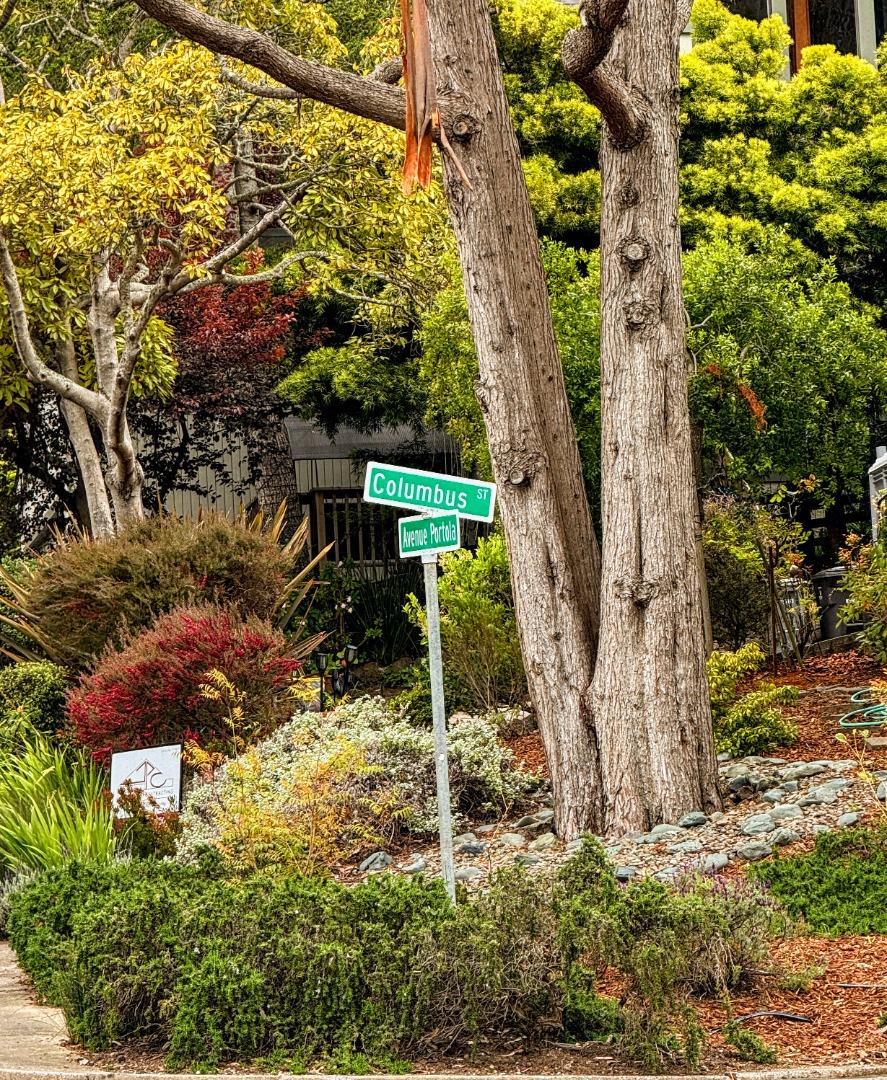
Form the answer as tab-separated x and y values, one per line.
423	124
553	549
649	695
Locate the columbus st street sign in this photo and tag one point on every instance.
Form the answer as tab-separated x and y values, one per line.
412	489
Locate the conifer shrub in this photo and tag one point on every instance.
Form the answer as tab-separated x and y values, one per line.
89	594
154	691
219	969
702	936
838	888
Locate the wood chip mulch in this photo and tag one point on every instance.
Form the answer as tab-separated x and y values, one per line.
529	752
826	684
846	1021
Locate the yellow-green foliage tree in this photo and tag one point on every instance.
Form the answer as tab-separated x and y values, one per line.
155	173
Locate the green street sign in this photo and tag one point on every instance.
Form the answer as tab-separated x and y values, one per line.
428	534
412	489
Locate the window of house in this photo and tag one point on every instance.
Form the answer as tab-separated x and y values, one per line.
880	19
750	9
833	22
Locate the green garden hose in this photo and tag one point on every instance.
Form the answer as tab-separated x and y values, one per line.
870	713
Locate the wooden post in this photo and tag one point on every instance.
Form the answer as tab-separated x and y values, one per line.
799	22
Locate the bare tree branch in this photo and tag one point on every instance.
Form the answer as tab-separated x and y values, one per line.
584	54
353	93
389	71
279	93
274	272
37	370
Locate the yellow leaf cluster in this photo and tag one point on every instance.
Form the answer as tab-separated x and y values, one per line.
127	151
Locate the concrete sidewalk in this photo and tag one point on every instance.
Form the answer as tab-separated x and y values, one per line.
31	1036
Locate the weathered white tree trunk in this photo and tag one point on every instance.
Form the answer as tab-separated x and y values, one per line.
649	695
89	459
124	475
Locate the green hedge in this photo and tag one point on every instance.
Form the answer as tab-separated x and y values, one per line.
306	970
217	969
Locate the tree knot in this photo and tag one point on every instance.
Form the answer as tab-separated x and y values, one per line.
518	467
639	590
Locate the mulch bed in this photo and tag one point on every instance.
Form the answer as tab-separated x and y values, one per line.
826	683
846	1021
816	713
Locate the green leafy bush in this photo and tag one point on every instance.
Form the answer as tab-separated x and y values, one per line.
739	601
726	670
866	585
838	888
217	969
481	650
52	808
755	724
354	607
366	751
704	936
750	723
88	594
32	698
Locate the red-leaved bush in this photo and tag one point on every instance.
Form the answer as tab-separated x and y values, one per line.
149	693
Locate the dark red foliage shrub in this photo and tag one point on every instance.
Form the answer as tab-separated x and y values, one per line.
229	341
149	693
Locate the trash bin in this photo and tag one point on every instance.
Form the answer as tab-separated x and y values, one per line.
830	598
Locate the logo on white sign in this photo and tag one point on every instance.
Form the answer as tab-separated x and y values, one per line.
155	772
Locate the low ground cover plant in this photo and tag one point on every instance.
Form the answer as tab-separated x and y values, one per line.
838	888
154	690
307	970
752	722
322	787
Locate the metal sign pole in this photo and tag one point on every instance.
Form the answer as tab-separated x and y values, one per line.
438	712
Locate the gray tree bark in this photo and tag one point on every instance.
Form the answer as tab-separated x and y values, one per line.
551	541
649	696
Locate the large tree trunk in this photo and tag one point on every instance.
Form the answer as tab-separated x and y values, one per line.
551	541
650	701
649	694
